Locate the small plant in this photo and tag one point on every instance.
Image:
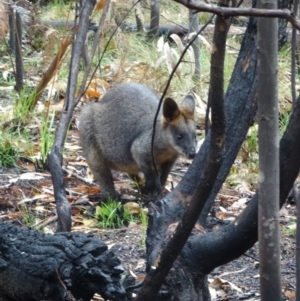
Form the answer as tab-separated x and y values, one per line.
284	119
8	154
110	214
144	219
291	228
23	103
47	136
28	217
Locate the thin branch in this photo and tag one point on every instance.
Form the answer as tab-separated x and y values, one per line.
231	12
105	48
96	44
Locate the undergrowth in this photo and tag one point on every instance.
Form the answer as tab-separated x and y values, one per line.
112	214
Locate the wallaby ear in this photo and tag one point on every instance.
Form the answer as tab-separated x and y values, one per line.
188	105
170	109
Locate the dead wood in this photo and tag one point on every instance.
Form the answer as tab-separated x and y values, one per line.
205	251
166	257
163	29
66	266
55	156
242	11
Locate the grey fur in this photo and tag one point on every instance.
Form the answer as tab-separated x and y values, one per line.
116	133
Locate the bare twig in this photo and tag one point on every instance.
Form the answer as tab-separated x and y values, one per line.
96	44
105	48
230	12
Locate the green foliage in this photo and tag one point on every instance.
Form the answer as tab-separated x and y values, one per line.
291	228
284	119
110	213
14	144
252	140
22	105
8	153
144	219
28	217
47	136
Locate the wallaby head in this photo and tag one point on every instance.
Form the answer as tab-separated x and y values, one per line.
179	124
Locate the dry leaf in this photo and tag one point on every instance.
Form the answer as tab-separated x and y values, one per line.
132	207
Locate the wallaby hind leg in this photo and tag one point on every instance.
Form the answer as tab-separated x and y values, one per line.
101	171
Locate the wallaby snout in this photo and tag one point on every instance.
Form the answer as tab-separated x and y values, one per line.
192	153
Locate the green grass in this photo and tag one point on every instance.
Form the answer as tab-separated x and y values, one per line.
47	136
284	119
8	153
14	145
111	214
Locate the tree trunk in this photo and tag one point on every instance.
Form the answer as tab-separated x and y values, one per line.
18	53
66	266
205	251
268	189
154	18
55	156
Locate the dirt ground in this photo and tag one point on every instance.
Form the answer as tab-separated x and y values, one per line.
237	280
22	198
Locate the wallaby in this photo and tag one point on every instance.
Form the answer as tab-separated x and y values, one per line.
116	134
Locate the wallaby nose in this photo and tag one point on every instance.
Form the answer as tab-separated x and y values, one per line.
192	153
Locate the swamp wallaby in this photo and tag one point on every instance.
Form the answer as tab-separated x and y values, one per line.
116	133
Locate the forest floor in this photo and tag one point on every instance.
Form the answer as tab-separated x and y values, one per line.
26	199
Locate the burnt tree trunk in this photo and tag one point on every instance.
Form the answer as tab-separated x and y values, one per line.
205	251
186	282
55	156
18	53
154	18
66	266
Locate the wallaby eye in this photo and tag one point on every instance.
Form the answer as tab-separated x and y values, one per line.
179	137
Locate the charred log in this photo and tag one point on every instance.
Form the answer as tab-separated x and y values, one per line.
64	266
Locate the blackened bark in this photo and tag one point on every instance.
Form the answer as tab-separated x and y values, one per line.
165	257
36	266
55	156
240	108
205	252
12	40
154	17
